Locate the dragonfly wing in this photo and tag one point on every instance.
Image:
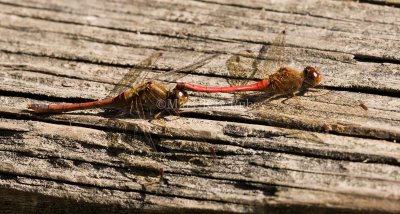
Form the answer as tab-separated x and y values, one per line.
176	74
138	110
135	76
265	63
274	56
240	69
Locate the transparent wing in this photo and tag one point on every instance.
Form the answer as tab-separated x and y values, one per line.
135	76
139	111
240	68
176	74
246	65
274	56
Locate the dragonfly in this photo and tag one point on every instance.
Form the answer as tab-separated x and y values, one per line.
135	96
277	79
284	80
143	96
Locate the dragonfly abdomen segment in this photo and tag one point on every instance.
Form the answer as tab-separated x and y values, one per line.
258	86
43	108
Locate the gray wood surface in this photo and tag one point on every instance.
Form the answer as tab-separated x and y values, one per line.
315	153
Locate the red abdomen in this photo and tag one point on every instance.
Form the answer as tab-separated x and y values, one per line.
258	86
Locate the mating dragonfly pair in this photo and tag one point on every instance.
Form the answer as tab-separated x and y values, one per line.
154	96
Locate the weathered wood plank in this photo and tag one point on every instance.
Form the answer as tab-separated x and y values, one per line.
95	87
306	113
295	172
235	131
372	73
394	3
320	39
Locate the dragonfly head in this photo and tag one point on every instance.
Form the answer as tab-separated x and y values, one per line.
179	97
312	77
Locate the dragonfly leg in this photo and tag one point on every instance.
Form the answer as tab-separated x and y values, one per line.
160	122
262	103
316	92
171	111
303	91
213	153
288	96
163	179
158	115
235	97
313	89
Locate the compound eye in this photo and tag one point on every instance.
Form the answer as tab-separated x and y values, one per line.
317	76
312	75
180	94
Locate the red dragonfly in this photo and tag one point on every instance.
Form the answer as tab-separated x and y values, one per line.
143	96
283	81
149	96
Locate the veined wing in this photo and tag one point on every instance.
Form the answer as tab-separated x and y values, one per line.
135	76
240	68
274	56
132	78
246	65
138	109
176	74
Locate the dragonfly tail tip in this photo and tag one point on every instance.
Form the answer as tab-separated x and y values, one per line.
37	107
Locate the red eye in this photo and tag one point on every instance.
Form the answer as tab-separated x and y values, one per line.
312	76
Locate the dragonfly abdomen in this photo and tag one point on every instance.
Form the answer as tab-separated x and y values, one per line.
43	108
258	86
